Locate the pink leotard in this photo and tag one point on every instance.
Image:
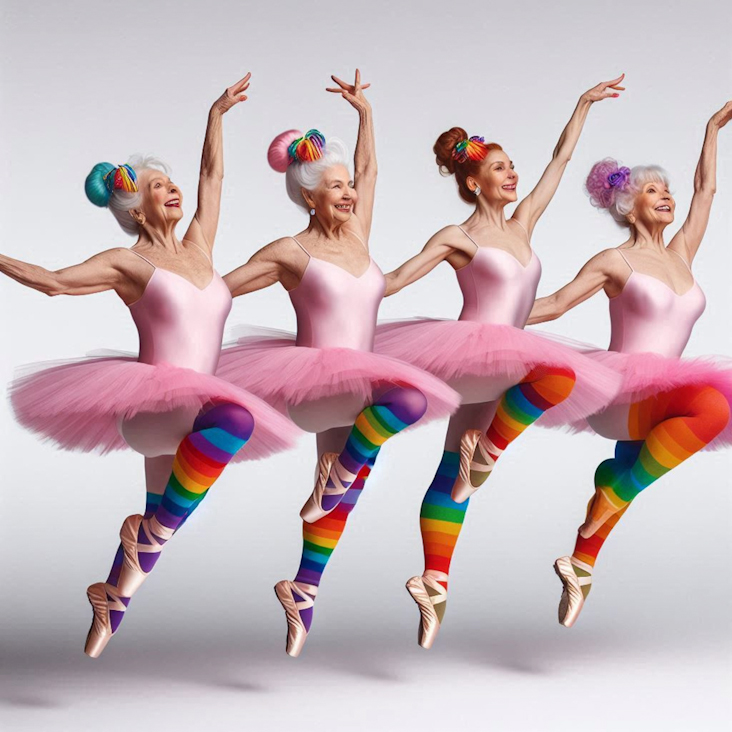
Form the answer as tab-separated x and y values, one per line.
334	308
648	316
179	323
496	287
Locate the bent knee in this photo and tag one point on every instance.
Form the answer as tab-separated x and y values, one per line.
713	407
233	418
407	403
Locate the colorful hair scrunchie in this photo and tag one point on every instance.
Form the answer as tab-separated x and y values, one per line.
306	149
473	148
121	178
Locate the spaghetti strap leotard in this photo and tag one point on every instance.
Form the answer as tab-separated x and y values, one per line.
80	404
650	326
488	341
332	352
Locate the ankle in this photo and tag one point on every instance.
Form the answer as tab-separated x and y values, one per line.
434	574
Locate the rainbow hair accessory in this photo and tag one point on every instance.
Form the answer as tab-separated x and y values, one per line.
473	148
121	178
306	149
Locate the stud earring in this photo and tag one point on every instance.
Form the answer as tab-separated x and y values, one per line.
312	212
477	191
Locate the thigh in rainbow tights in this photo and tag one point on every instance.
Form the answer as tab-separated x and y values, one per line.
517	408
652	437
214	437
346	458
478	433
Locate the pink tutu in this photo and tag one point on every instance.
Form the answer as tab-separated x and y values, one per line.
269	364
646	374
78	404
451	349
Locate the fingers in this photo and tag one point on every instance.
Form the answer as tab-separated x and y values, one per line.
614	81
340	83
358	80
242	84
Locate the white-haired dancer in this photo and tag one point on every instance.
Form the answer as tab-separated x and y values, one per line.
327	378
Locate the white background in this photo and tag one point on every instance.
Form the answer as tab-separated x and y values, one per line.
83	82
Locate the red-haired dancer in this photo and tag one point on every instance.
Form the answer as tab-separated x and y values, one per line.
507	378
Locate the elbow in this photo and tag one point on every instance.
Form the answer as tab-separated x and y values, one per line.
367	172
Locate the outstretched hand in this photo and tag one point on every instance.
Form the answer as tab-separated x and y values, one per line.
233	95
720	119
605	90
352	93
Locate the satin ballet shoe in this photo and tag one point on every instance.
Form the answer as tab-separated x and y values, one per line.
132	575
604	505
471	441
287	593
431	598
573	599
102	598
327	468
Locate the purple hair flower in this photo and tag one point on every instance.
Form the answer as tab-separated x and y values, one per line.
618	179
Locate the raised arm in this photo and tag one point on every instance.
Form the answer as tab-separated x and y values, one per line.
206	219
364	159
436	250
99	273
688	239
605	270
533	206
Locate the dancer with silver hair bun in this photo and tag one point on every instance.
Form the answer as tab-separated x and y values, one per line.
167	404
669	407
327	377
507	377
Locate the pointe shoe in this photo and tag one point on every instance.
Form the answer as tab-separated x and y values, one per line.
327	468
573	599
132	575
471	441
430	597
603	507
287	592
102	598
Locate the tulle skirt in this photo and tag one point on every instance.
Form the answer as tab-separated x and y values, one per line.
80	404
455	349
270	365
646	374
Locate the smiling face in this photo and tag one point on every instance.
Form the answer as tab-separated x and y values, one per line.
653	206
161	199
334	197
496	178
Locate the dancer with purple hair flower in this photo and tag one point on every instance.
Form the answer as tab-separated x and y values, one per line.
669	407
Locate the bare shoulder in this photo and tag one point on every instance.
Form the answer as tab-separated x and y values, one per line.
453	236
279	251
609	261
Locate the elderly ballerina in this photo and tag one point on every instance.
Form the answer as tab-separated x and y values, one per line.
669	407
327	378
508	378
166	404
